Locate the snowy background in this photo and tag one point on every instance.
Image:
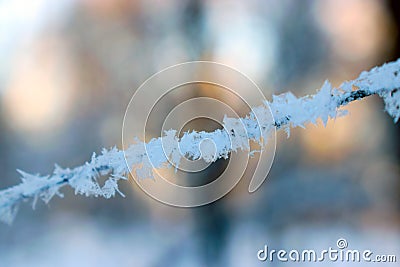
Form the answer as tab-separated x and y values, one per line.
69	68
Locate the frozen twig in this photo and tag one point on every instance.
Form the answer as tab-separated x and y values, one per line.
288	111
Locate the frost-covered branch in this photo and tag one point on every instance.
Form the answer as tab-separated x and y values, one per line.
288	111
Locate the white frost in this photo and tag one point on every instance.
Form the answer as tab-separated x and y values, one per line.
287	110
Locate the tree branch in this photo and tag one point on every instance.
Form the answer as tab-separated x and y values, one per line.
287	110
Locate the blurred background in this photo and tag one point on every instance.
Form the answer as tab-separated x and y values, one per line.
69	67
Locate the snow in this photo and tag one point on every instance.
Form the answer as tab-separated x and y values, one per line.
166	151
